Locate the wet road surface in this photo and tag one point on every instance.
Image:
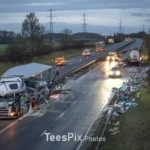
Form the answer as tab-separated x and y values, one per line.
73	114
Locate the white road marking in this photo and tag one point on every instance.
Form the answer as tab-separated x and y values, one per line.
79	146
65	102
87	132
61	115
64	111
43	132
74	102
56	118
21	118
8	126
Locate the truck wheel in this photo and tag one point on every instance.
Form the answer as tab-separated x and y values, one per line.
18	114
21	112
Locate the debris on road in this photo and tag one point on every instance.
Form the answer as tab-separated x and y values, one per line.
124	101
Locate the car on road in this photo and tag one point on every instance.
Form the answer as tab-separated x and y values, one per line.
112	56
60	61
86	52
115	72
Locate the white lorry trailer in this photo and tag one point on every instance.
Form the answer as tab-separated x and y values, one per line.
135	56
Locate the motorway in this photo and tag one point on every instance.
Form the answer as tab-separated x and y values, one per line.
79	60
73	113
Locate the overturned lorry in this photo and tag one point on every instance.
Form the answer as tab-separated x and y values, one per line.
24	84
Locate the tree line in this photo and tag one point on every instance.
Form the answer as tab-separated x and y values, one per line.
7	37
30	42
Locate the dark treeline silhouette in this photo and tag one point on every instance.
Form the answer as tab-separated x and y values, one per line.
7	37
32	42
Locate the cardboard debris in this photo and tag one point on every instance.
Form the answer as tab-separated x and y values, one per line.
117	123
113	130
114	133
125	100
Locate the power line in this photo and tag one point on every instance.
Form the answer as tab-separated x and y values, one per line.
143	28
120	26
84	23
51	30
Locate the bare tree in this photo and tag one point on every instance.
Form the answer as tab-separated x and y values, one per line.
67	34
32	32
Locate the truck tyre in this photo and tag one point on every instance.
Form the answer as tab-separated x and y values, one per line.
21	112
18	114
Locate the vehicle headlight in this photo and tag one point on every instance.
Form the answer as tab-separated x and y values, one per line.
118	72
12	114
110	72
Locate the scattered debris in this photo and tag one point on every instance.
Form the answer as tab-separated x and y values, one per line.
117	123
113	130
114	133
125	101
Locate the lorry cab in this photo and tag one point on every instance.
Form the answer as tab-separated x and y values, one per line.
10	107
10	85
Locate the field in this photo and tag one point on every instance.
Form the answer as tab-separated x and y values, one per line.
5	66
144	54
2	48
48	59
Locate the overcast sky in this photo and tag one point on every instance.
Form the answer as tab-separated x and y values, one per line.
102	15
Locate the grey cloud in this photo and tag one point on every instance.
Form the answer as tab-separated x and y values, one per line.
20	5
140	14
148	20
16	27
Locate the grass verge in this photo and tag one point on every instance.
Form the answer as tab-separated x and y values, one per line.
48	59
134	127
5	66
144	54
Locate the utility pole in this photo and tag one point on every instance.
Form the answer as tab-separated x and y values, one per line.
120	26
143	28
84	23
51	30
